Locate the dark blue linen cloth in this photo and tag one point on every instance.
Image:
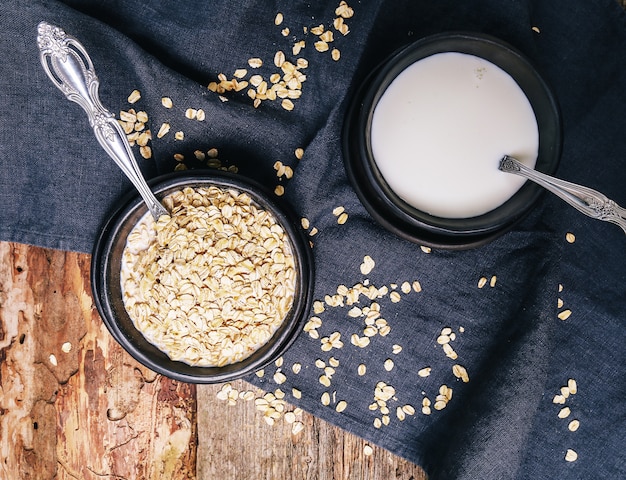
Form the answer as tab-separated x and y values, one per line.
551	311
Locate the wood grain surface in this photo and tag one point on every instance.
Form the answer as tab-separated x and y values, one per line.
74	405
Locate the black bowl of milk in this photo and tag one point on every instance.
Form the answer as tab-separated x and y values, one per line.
424	135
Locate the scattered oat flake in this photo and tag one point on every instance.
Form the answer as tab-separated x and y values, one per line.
179	135
343	10
341	406
279	58
492	282
299	153
570	237
53	359
536	29
134	96
255	62
424	372
146	152
368	450
290	417
573	387
297	47
343	218
66	347
317	30
368	265
280	378
408	409
460	372
482	282
278	19
129	116
573	425
165	127
449	351
296	428
335	54
321	46
327	36
318	307
400	414
287	104
279	190
565	314
396	349
425	249
389	364
564	412
571	455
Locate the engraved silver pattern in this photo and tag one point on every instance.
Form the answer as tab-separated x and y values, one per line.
586	200
68	65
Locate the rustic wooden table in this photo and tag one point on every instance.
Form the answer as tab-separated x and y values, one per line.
74	405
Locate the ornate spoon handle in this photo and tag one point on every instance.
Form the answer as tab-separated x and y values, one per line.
586	200
69	67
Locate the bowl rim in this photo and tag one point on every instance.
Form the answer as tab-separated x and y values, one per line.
394	213
106	289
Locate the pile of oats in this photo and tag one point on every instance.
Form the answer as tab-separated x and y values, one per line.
212	282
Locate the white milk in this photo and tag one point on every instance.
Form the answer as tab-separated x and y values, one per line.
441	128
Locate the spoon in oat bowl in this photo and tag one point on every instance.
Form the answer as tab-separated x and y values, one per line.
69	67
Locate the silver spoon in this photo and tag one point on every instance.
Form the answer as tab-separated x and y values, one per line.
69	67
586	200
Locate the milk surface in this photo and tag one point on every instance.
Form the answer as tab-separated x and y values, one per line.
441	128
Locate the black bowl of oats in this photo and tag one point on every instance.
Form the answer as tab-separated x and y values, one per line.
210	293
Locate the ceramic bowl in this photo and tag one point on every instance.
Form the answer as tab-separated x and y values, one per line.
105	279
393	213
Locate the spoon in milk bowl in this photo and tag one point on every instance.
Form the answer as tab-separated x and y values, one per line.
586	200
69	67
